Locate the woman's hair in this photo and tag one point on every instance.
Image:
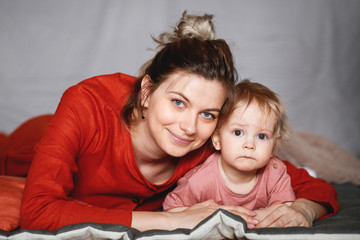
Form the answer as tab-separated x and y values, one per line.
246	92
190	48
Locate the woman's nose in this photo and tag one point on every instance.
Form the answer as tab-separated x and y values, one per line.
188	124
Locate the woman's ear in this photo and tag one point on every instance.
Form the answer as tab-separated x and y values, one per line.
215	138
145	90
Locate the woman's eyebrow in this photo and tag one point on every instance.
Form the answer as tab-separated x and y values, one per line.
187	100
213	109
181	95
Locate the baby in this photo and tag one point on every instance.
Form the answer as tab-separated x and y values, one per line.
244	170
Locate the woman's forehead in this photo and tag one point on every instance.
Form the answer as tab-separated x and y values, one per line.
189	82
195	88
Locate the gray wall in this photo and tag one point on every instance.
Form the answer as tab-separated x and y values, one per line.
307	51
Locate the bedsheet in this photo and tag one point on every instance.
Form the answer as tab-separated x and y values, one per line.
220	225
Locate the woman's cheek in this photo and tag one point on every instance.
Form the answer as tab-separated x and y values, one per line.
207	130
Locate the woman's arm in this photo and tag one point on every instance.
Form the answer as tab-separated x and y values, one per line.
47	201
301	212
316	199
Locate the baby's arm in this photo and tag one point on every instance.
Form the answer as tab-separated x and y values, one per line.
182	197
280	189
279	184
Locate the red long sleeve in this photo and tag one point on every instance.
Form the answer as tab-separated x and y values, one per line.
84	169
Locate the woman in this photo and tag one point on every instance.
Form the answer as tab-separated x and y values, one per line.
117	144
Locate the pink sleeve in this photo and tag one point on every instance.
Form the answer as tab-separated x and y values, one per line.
279	183
182	196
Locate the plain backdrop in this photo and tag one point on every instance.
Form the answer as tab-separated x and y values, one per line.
307	51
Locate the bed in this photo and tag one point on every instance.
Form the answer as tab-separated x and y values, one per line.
322	156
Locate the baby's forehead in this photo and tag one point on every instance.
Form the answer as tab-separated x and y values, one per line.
252	114
264	108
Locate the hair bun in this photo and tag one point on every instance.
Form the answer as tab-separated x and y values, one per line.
190	26
195	26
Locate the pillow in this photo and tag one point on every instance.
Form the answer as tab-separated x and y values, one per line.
17	151
330	161
11	193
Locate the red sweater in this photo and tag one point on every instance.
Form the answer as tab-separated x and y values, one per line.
84	169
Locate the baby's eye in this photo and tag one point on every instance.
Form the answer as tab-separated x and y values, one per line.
262	136
208	115
178	103
238	133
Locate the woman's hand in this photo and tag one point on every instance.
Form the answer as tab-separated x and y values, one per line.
193	215
302	212
187	217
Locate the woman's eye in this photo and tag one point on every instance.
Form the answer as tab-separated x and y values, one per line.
237	132
262	136
178	103
208	115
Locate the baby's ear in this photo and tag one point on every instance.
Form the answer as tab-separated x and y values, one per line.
277	143
215	138
145	90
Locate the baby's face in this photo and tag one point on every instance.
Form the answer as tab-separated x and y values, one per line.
246	141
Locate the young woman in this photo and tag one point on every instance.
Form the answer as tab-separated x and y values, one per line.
117	144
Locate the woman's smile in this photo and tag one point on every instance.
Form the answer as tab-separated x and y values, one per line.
180	140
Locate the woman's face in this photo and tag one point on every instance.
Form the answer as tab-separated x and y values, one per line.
181	114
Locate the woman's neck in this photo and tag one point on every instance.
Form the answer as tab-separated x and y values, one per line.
154	164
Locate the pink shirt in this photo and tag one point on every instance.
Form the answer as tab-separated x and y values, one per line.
205	182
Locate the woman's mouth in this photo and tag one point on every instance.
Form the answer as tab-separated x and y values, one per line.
180	140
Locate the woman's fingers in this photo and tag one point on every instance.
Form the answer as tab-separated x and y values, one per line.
238	210
209	207
280	215
191	216
283	216
245	213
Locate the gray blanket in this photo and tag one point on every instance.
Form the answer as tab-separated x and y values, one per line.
220	225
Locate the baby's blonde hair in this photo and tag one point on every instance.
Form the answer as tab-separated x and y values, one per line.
247	92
